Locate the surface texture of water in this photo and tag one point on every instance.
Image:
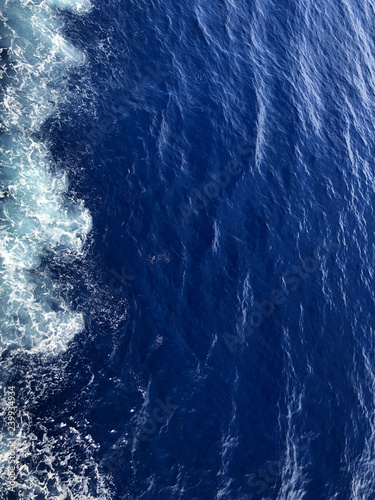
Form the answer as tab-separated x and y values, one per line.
187	255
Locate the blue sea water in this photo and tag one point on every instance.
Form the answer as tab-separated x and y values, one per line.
187	250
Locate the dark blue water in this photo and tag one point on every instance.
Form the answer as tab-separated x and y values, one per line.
225	153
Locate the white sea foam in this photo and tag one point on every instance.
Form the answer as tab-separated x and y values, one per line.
35	215
37	220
